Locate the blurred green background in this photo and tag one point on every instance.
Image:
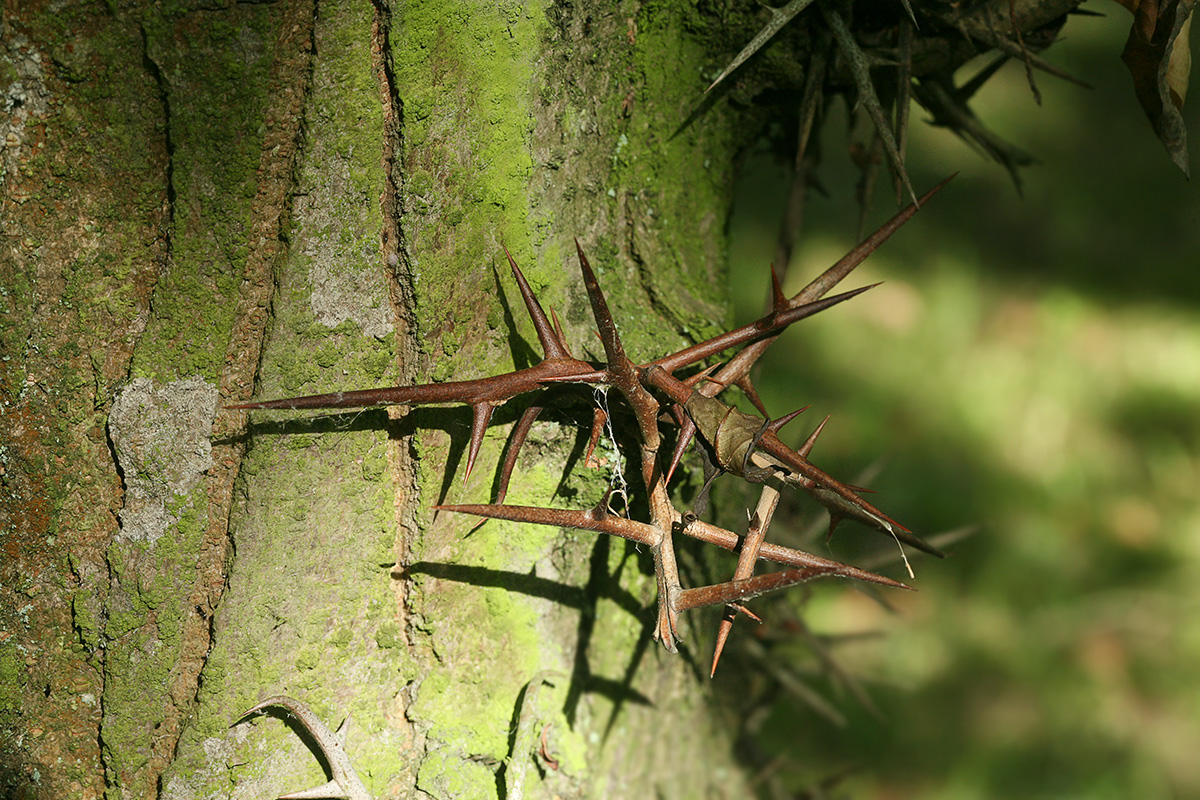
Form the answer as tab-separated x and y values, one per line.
1032	367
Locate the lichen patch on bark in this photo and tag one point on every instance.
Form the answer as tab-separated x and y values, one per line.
161	438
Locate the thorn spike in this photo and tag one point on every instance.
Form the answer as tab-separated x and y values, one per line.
552	346
834	520
743	610
823	283
747	386
779	300
588	520
770	325
700	376
776	425
807	447
613	349
481	416
599	417
520	433
558	329
723	593
687	431
729	540
722	635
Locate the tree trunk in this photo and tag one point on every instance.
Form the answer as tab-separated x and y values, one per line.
208	204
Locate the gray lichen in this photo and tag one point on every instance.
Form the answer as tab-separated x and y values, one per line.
24	99
161	438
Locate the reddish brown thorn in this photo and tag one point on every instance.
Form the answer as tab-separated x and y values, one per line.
779	300
725	628
703	374
807	447
776	425
834	494
764	328
834	521
747	386
595	519
769	325
481	416
832	276
687	427
742	432
620	369
723	593
596	377
687	432
840	501
672	387
756	533
740	364
614	351
723	631
495	389
520	433
552	345
559	331
599	417
743	610
707	532
362	398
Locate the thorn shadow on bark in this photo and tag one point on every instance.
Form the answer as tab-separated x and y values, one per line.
340	422
530	585
649	624
578	448
705	103
598	580
601	585
455	423
523	353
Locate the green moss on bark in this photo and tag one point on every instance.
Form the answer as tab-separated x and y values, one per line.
518	130
309	610
214	99
82	197
579	143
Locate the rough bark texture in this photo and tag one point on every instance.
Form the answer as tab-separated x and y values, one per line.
204	202
208	203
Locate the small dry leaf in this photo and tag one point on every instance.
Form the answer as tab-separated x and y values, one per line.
1159	57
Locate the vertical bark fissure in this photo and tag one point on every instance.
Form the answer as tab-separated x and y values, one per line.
162	90
266	234
398	278
119	358
166	233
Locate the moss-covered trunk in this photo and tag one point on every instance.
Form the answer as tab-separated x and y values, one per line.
207	202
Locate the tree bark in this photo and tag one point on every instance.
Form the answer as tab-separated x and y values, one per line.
209	203
205	202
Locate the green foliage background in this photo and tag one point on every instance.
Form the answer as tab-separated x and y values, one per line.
1031	366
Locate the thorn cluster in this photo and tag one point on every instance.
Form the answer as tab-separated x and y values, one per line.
881	60
738	443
